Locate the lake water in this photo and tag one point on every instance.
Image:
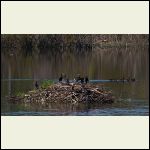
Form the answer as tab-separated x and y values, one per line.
112	63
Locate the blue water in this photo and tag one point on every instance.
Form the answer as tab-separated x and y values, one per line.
127	103
18	74
140	111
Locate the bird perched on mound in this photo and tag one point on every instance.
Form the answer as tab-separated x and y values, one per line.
86	79
132	79
78	78
36	85
67	81
61	77
82	80
129	79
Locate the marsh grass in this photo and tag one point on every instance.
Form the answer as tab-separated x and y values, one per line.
20	94
46	83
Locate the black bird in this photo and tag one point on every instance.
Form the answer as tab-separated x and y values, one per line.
128	79
82	80
86	79
133	79
67	81
60	78
78	78
36	85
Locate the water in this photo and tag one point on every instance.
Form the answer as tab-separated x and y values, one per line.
101	64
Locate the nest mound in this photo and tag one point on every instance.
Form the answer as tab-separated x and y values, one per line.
67	93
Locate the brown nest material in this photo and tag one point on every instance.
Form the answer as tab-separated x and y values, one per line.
67	93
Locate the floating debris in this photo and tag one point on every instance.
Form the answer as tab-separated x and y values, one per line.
67	93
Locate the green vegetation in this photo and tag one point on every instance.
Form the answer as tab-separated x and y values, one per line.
20	94
46	83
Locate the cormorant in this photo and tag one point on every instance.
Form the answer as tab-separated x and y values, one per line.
86	79
82	80
36	85
60	78
67	81
128	79
133	79
78	78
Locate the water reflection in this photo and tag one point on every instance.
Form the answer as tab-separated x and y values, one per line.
108	63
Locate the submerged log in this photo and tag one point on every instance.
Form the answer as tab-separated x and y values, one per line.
72	93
